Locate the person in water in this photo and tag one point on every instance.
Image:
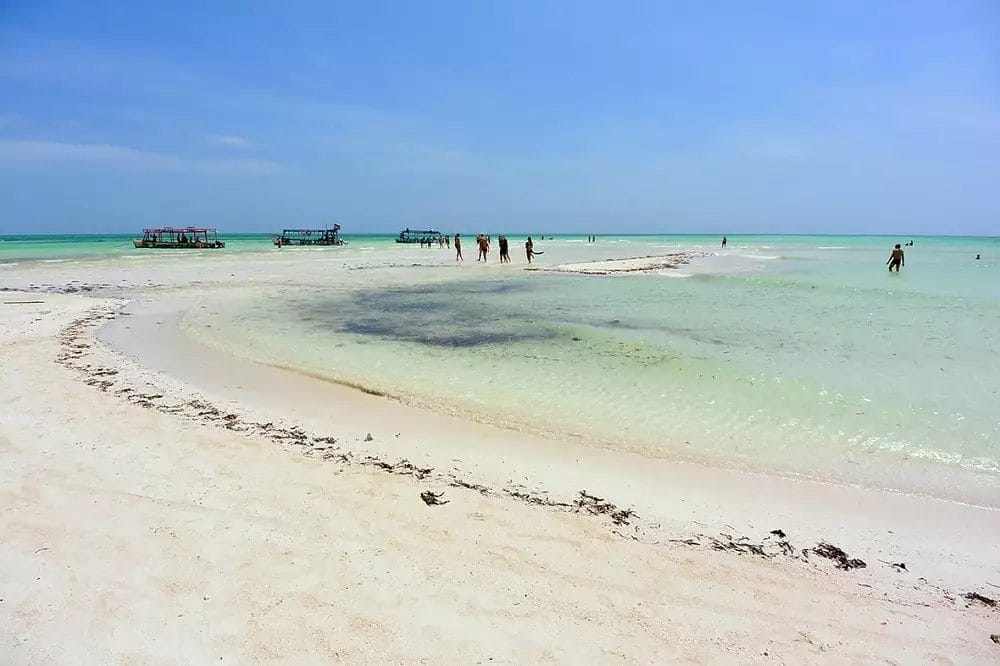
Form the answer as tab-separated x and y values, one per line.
458	248
529	249
504	250
724	241
896	259
484	247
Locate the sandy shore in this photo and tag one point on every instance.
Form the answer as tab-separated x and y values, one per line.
174	508
652	264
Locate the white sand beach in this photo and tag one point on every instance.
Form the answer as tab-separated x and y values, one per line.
167	502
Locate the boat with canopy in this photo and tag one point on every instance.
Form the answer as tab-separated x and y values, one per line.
309	237
175	238
429	236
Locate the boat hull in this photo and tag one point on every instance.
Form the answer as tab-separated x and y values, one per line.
282	243
139	243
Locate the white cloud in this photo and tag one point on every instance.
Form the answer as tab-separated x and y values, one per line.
49	152
230	141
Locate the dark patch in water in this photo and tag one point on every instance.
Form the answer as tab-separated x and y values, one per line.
461	316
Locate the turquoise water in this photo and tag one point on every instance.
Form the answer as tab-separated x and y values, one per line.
78	246
83	246
797	354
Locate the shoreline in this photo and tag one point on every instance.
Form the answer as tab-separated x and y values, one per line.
259	392
164	490
176	310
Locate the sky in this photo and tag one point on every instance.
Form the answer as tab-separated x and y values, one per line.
502	116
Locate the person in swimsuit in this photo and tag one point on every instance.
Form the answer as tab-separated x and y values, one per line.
504	250
529	249
458	248
724	241
896	259
484	247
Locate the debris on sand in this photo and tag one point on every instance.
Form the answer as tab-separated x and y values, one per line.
779	533
898	566
986	601
432	498
597	505
831	552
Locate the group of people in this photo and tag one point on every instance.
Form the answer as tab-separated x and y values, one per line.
442	241
483	243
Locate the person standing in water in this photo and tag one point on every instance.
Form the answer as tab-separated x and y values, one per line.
458	248
724	241
529	249
504	250
484	247
896	259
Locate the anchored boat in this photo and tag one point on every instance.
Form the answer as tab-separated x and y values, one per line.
172	238
310	237
418	236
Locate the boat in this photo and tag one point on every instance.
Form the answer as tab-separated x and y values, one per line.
172	238
418	236
310	237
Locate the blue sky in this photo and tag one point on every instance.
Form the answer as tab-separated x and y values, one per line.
658	117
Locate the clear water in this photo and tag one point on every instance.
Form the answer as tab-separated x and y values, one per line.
803	356
797	354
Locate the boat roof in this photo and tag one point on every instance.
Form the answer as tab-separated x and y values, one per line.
315	231
419	231
169	230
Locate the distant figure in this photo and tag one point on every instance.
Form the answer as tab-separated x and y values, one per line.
458	248
484	247
896	259
977	257
504	250
529	249
447	242
724	241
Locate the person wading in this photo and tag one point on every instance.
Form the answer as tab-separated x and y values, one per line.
896	259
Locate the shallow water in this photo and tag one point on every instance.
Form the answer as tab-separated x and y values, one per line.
795	354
